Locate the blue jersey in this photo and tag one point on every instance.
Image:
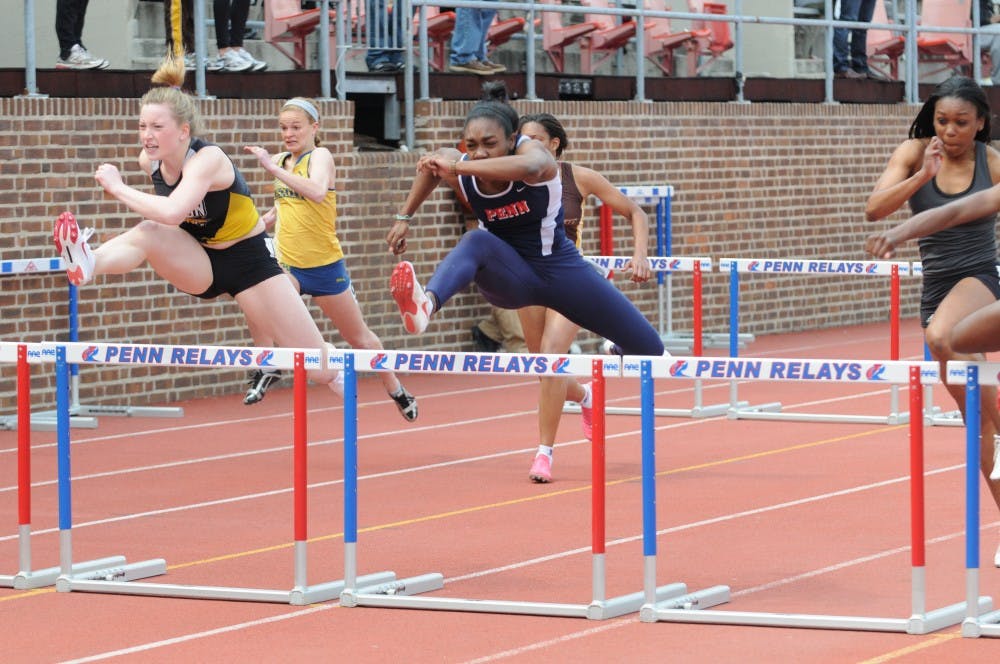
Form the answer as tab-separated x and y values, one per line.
528	217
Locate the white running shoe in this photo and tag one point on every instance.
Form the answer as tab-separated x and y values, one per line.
73	248
414	305
995	473
79	58
230	61
255	64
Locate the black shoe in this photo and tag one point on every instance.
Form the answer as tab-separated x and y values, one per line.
406	402
386	67
258	384
483	343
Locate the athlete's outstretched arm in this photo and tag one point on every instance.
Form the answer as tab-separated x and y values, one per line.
427	179
956	213
590	182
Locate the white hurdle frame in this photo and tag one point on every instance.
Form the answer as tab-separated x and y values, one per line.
914	374
405	592
813	267
121	580
81	416
697	265
26	578
973	375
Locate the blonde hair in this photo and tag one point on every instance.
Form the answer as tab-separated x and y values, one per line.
307	107
169	77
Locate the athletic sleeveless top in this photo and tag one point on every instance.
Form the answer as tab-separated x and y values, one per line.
223	215
572	202
963	246
307	231
528	217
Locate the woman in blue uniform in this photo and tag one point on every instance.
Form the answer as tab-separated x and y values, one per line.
200	230
520	256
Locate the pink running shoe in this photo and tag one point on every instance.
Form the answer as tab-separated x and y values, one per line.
414	305
587	419
73	248
541	469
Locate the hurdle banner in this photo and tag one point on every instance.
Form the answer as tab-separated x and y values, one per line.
27	578
81	416
662	197
697	265
690	609
121	579
815	268
406	593
973	375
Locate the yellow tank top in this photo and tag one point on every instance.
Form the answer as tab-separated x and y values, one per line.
306	232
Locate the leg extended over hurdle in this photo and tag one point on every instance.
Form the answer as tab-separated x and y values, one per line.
920	621
814	268
26	577
122	579
408	592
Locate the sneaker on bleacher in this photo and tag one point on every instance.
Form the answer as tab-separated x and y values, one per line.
79	58
255	64
230	61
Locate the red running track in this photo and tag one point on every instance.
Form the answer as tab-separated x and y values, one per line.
796	517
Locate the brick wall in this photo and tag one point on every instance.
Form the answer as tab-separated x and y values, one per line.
752	180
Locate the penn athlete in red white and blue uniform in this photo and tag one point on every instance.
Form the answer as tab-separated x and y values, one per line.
521	256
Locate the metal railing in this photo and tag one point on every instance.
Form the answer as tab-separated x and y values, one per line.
349	38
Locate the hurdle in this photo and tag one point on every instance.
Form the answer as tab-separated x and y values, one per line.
81	416
916	375
662	197
815	267
406	592
121	580
668	265
973	375
45	421
27	578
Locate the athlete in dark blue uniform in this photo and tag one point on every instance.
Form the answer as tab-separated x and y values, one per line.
520	256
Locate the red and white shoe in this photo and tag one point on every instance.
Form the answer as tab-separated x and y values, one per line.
541	469
414	305
73	248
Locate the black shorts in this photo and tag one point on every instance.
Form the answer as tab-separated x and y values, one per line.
936	288
239	267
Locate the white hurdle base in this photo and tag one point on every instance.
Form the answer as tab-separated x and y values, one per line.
46	421
987	624
402	594
132	411
773	412
118	573
917	624
40	578
298	596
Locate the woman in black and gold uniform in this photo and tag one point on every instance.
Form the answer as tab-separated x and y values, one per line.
200	230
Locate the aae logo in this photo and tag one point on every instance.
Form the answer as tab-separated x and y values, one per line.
264	358
876	372
679	368
380	361
90	354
